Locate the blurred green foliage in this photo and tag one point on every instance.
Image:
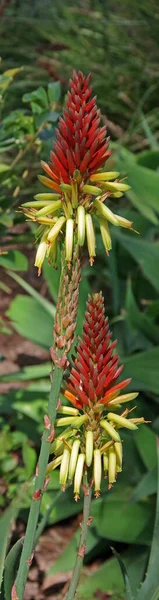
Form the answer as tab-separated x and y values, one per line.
118	42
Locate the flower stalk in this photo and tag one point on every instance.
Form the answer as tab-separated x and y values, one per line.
39	486
82	545
64	327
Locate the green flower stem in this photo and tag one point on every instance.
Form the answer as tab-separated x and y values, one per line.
39	485
82	547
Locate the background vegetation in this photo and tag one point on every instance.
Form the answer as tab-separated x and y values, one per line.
40	45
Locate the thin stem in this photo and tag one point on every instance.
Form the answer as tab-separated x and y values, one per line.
82	547
39	487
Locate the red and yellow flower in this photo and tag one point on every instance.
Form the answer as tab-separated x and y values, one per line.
91	443
78	187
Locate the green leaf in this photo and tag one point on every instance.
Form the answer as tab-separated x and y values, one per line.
145	254
149	158
117	519
138	320
38	96
6	220
150	587
144	183
145	440
14	260
27	373
5	528
146	487
46	115
11	567
107	578
31	320
29	458
128	591
48	307
4	168
143	368
54	91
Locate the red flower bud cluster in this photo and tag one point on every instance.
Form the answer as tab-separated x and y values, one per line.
80	141
96	367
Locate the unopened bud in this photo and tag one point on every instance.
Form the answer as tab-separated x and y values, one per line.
116	187
56	229
48	197
80	421
105	463
89	448
121	421
64	421
123	398
105	212
90	237
124	222
58	443
53	464
108	175
48	182
112	466
50	208
105	233
97	471
78	475
52	252
65	187
110	430
64	466
69	239
91	189
81	225
119	455
40	255
73	458
68	410
35	204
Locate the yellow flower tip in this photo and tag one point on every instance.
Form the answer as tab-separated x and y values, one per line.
91	243
108	175
79	474
69	239
63	488
55	230
81	225
122	421
73	458
105	233
64	466
40	255
105	464
76	497
112	465
89	448
91	189
105	212
97	471
91	261
110	429
68	410
97	494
